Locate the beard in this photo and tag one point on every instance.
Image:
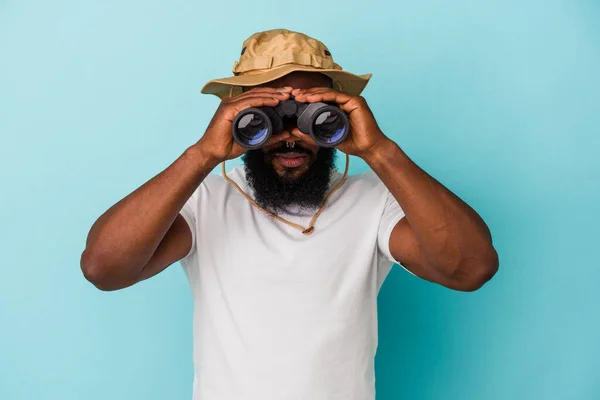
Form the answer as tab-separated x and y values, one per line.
276	193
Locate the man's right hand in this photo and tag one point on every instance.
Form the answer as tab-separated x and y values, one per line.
218	144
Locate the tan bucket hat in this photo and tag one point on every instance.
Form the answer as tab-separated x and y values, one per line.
269	55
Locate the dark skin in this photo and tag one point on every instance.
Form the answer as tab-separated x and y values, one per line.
291	133
441	239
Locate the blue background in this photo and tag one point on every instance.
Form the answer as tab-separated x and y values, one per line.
499	100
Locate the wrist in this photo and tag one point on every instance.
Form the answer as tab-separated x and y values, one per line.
383	151
200	157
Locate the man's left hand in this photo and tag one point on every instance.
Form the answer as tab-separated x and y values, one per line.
365	136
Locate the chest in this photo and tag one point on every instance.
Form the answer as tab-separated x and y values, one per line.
240	242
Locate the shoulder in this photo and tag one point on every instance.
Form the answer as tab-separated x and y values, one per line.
215	186
366	180
363	189
216	179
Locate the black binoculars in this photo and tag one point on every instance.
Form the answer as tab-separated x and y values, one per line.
327	124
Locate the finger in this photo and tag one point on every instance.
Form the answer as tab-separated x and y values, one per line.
323	93
346	102
303	94
255	101
270	88
264	89
312	90
237	150
277	94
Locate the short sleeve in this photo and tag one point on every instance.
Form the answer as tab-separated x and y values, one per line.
392	214
189	213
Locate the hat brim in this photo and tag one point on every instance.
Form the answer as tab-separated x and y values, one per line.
222	88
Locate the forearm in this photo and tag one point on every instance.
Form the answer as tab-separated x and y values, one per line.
125	237
453	237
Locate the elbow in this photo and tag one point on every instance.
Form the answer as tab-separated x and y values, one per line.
475	274
98	271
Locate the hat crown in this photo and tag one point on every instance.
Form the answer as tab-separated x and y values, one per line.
273	48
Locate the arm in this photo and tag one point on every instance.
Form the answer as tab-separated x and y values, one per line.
143	234
441	239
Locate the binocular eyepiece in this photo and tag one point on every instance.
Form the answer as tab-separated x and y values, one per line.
327	124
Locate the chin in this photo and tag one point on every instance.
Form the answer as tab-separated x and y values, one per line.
287	173
290	175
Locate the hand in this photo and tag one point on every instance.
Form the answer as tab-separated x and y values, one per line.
365	136
217	143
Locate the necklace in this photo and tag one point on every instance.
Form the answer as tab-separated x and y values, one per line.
305	231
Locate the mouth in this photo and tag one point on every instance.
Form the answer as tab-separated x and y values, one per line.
291	159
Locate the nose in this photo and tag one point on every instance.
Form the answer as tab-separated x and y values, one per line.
290	133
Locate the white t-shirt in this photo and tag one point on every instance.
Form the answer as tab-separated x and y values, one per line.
279	315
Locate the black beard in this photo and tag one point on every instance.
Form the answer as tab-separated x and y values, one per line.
276	193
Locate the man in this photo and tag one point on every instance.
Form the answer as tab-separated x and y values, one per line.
285	256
